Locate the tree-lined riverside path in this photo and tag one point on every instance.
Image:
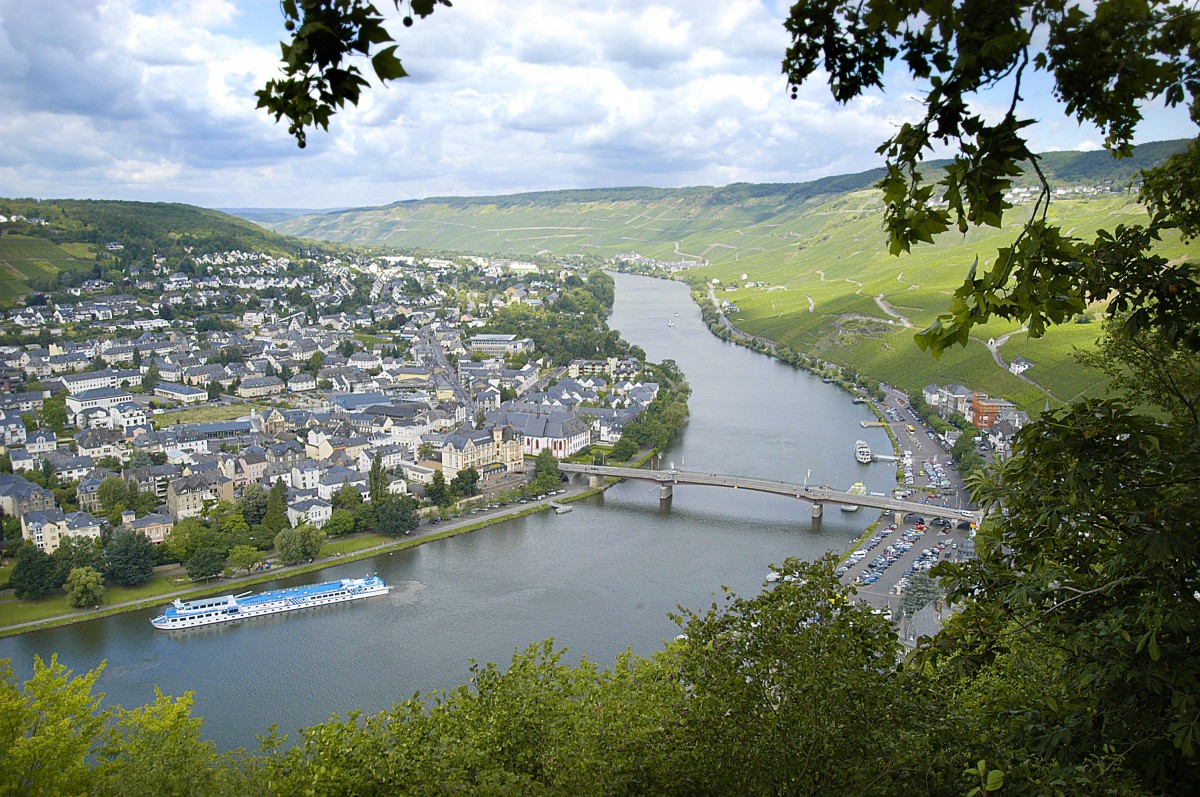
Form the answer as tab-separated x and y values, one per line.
815	494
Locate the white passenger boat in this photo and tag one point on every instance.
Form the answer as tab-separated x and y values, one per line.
862	452
227	608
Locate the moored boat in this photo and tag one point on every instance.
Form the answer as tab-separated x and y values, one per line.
227	608
858	488
862	452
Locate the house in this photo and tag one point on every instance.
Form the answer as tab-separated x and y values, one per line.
47	528
100	443
499	345
155	526
309	510
127	415
305	474
985	410
12	429
21	460
41	441
18	495
257	386
87	493
101	398
187	496
336	477
184	394
153	479
1019	365
302	382
69	469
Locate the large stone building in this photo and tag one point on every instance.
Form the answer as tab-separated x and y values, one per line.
476	449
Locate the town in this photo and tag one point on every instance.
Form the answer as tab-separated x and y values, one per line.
235	410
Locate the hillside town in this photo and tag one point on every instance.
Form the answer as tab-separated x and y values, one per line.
245	375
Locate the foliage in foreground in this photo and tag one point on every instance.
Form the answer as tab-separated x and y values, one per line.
794	691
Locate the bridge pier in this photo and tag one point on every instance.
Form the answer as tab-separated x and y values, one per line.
595	481
665	492
899	518
817	509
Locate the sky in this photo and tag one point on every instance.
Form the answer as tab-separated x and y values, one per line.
153	100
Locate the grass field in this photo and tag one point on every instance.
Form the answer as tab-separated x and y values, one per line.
207	414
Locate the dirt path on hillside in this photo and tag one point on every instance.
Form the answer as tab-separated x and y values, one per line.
887	308
994	347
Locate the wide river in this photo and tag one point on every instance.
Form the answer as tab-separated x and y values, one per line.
599	580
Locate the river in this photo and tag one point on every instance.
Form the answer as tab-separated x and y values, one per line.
599	580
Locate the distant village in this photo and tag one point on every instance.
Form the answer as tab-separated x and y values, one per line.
312	385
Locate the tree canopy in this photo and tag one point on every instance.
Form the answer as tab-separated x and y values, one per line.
1106	60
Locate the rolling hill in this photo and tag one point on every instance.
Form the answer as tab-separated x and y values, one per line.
805	264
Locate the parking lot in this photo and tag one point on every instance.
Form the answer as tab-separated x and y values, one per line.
881	567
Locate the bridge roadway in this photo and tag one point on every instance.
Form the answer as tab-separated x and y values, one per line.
817	495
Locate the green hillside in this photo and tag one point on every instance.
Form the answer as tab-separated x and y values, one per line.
815	251
143	228
28	264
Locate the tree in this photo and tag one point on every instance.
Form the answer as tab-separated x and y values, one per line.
253	503
85	587
114	493
33	573
425	451
624	449
130	558
73	552
151	378
396	515
546	476
340	523
50	727
377	480
157	750
311	540
347	497
465	483
205	563
296	545
275	518
1105	60
244	557
436	491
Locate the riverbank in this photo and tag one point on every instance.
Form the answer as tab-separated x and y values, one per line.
334	557
338	552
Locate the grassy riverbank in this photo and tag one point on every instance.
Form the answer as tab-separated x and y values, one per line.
19	616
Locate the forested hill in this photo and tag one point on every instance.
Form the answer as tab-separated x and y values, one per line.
655	222
140	227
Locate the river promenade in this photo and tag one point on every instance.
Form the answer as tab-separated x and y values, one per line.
424	533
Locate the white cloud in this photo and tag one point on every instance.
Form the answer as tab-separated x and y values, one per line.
154	100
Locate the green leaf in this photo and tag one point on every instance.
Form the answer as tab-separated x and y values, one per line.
387	65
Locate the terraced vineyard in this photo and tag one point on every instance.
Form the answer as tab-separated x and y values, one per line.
23	258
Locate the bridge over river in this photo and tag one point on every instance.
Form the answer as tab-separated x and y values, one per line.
816	495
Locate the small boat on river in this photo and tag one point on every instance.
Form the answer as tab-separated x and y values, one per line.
858	488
